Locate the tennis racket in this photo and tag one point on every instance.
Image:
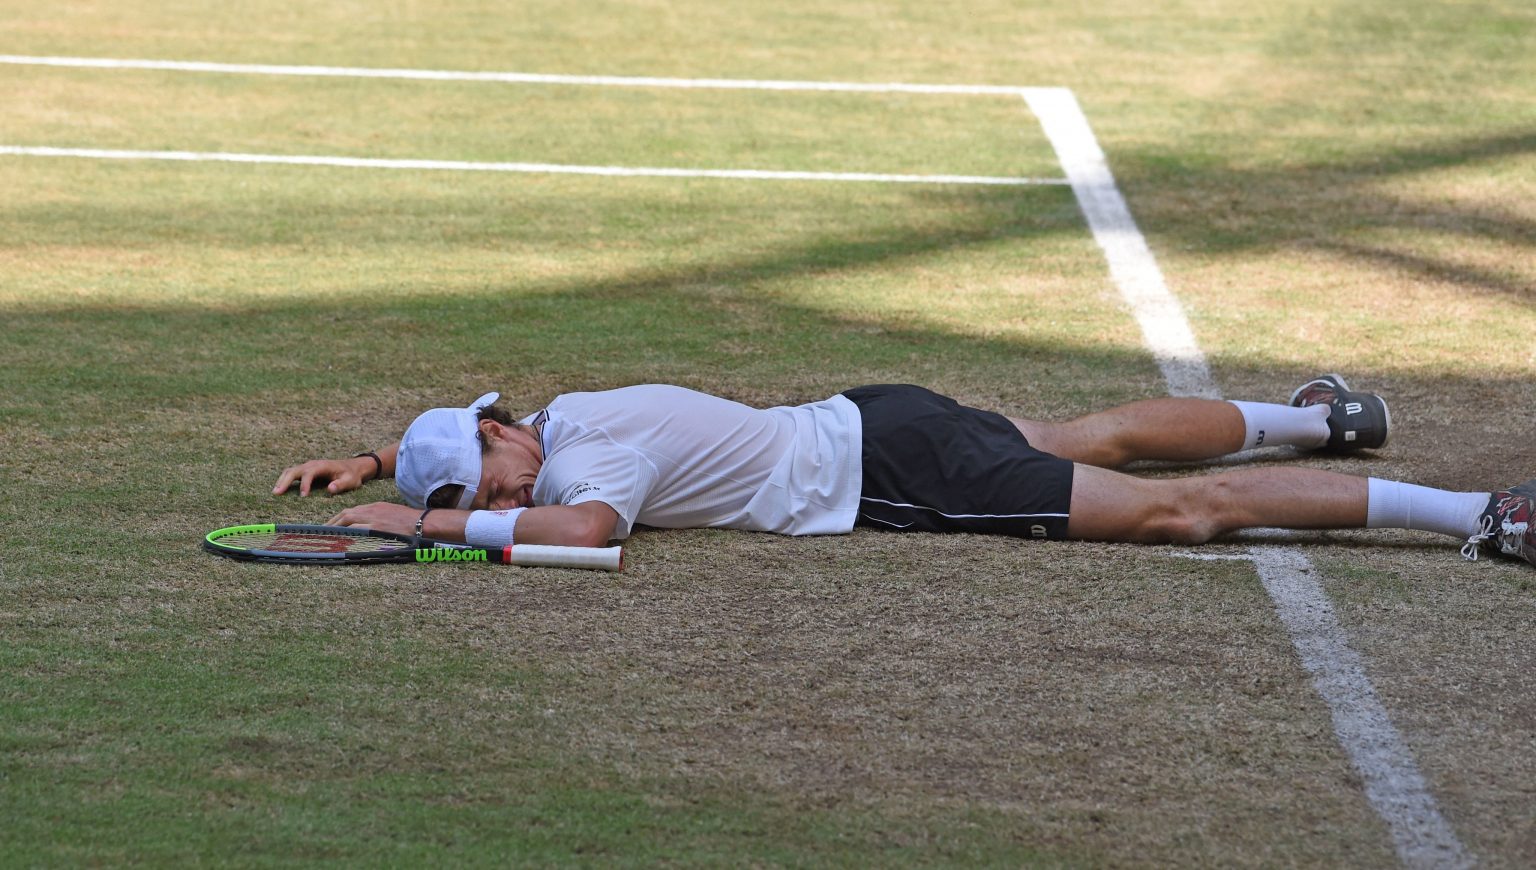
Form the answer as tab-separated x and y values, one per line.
345	545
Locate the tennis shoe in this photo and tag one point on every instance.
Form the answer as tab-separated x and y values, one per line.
1507	526
1356	421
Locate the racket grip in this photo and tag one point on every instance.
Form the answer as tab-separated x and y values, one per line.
547	556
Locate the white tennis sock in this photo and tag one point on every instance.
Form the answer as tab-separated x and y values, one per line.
1284	426
1393	505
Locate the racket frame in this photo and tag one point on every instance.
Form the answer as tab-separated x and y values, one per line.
412	549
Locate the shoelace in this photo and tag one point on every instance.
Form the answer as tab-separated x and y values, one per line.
1470	548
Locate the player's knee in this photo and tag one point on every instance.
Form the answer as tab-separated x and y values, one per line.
1191	515
1083	440
1112	454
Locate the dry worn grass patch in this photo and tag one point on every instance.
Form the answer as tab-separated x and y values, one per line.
1113	698
1454	663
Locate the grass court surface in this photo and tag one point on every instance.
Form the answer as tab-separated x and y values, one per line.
1326	186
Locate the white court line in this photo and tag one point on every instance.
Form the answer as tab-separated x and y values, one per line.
1131	263
521	78
1393	784
551	168
508	77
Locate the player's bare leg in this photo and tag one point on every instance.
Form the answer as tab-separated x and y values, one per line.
1168	429
1323	414
1110	506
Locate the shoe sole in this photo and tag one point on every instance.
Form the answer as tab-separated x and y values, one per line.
1527	489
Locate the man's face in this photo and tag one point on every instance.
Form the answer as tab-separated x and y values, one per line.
507	469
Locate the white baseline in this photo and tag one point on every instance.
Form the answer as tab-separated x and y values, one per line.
520	78
545	168
1393	784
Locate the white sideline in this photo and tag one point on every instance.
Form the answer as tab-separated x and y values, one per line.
1393	784
542	168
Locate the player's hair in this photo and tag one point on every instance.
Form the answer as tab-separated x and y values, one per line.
447	496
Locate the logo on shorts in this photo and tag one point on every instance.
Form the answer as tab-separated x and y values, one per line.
1037	531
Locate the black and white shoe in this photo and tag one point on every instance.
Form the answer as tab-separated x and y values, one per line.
1356	421
1508	525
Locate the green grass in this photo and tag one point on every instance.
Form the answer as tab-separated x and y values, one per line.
499	122
349	743
1327	186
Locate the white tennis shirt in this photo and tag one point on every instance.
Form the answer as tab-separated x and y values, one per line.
671	457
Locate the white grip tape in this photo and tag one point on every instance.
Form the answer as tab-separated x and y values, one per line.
546	556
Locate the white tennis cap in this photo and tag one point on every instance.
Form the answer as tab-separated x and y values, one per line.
441	449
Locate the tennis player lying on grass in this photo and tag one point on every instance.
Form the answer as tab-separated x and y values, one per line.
591	466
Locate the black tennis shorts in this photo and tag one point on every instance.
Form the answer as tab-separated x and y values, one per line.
932	464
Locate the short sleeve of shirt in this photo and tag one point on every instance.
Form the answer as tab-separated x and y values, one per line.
594	468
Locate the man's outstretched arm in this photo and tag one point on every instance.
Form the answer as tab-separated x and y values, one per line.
589	524
338	475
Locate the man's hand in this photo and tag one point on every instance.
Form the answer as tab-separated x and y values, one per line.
381	516
338	475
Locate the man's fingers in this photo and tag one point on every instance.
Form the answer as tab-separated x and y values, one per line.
299	475
342	482
284	480
337	476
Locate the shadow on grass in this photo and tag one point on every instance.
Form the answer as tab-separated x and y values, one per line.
713	321
1322	205
1341	207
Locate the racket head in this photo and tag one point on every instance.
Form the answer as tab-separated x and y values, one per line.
297	544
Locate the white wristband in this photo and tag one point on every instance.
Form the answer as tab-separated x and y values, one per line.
491	528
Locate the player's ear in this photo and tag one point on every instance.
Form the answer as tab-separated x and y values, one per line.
490	431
